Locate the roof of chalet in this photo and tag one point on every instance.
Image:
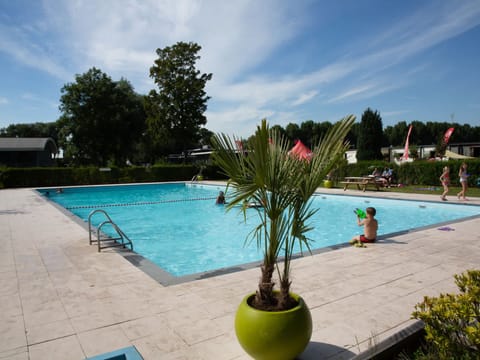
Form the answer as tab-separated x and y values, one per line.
27	144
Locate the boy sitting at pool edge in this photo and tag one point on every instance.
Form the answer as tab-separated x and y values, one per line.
370	227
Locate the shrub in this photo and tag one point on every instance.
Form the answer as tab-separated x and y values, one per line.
43	176
452	321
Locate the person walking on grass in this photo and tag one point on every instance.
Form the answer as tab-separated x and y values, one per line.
445	180
463	177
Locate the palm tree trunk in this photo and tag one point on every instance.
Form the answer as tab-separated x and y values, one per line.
264	298
285	301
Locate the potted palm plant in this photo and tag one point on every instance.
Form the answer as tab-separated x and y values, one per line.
271	323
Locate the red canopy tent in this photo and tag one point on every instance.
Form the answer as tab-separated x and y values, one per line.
301	151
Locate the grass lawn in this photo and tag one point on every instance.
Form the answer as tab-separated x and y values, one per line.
436	190
432	190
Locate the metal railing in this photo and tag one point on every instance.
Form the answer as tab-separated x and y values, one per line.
103	240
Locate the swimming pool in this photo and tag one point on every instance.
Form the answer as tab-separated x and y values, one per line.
178	227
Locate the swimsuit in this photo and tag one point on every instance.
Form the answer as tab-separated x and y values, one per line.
363	239
446	180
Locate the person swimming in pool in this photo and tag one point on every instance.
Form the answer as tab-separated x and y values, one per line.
220	198
370	227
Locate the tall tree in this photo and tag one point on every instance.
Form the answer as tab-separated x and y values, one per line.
396	134
175	113
307	132
31	130
320	130
352	135
205	136
293	131
370	136
420	134
101	119
279	129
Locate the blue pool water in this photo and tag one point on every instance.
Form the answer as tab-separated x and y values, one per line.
178	226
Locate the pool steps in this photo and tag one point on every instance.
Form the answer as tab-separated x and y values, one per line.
102	239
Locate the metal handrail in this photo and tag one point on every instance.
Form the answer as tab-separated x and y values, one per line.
121	235
90	222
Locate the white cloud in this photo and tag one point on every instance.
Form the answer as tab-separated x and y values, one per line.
17	44
243	120
3	101
305	97
238	38
408	38
122	36
37	101
429	26
238	121
30	96
353	92
395	112
365	91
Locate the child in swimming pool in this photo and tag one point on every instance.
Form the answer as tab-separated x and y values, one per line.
220	199
370	227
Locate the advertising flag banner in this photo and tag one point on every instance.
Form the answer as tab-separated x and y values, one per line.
447	135
405	151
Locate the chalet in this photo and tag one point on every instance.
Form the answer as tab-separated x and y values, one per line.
27	152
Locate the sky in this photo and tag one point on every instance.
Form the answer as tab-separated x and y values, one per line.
287	61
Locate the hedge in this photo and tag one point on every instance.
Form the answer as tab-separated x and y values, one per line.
413	173
54	177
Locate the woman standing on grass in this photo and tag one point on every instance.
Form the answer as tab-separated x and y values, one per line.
445	180
462	174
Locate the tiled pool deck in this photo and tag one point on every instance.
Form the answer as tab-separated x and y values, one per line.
60	299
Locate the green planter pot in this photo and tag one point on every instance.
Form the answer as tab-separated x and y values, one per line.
327	183
266	335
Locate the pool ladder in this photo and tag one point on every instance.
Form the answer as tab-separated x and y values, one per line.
103	240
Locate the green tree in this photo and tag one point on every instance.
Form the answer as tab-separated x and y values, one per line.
31	130
420	135
320	130
307	132
437	130
465	133
396	134
280	130
205	137
175	113
370	136
101	119
352	135
293	131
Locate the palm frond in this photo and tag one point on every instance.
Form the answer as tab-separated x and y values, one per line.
283	184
